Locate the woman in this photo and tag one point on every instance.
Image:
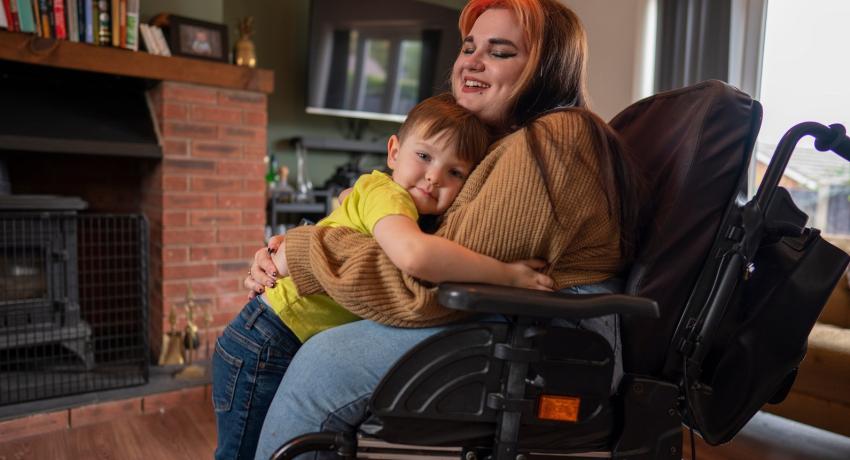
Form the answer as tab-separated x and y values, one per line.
554	187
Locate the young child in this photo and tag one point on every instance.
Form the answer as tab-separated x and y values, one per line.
431	156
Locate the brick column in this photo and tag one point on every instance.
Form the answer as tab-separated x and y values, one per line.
206	200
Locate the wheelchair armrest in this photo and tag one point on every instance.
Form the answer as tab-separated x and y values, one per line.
486	298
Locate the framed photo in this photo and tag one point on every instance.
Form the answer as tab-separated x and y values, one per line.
198	39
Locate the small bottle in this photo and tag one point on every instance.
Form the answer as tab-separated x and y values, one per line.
271	175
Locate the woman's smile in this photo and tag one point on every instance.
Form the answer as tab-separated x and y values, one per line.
472	85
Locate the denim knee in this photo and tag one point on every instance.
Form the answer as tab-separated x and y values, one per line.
248	364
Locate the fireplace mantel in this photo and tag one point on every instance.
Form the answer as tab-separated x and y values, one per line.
31	49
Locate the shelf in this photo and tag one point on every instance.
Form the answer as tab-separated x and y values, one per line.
30	49
300	208
339	145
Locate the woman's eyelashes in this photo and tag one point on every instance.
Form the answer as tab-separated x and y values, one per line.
496	53
502	54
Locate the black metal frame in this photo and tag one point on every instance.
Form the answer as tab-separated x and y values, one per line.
88	332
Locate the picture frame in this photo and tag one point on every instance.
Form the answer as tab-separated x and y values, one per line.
193	38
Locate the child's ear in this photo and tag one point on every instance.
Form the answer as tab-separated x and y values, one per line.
392	151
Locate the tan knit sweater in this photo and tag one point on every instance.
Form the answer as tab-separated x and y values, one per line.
503	211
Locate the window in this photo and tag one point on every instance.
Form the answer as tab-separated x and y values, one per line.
383	70
805	78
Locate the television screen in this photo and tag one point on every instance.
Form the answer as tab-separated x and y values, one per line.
376	59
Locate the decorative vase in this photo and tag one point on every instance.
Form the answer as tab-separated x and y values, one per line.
245	54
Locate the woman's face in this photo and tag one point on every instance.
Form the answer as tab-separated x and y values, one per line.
487	70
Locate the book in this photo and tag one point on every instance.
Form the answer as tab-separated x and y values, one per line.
122	22
71	20
115	22
26	21
90	17
45	13
147	39
133	24
59	24
160	41
4	20
81	20
12	8
104	26
36	15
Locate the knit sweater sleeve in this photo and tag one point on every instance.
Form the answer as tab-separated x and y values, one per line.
503	211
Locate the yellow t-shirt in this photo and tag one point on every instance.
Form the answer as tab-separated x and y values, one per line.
373	197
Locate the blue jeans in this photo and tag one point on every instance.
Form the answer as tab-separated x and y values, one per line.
249	362
330	381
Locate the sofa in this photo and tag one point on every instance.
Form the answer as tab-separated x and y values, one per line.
821	394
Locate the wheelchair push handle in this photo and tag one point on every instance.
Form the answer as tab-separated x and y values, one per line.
836	140
832	137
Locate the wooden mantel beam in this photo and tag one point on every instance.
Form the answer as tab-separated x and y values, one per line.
30	49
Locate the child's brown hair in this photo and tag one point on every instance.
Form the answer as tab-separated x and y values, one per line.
441	113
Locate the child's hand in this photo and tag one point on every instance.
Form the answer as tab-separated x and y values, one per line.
524	274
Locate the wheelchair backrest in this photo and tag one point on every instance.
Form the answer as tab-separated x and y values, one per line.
694	145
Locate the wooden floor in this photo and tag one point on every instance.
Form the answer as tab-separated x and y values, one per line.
767	436
189	433
184	433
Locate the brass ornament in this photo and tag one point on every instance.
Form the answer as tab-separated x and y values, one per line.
246	55
172	343
192	340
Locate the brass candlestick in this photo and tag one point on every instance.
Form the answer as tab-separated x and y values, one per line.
191	342
207	322
172	343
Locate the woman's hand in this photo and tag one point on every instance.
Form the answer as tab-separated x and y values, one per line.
264	271
525	274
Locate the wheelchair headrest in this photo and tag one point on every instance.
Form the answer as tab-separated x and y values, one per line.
694	146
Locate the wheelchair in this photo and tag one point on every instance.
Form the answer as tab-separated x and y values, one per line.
714	319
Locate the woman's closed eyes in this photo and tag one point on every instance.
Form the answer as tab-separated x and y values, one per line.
499	48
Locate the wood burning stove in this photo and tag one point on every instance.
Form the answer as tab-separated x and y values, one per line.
73	299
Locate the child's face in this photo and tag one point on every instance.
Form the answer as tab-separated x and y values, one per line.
429	169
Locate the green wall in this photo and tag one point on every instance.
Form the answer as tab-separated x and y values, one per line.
205	10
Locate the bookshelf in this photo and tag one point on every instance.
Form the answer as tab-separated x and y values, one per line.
30	49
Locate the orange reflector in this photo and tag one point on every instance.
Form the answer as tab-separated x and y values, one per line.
562	408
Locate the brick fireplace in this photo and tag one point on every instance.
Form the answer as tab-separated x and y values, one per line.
204	196
197	177
205	200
